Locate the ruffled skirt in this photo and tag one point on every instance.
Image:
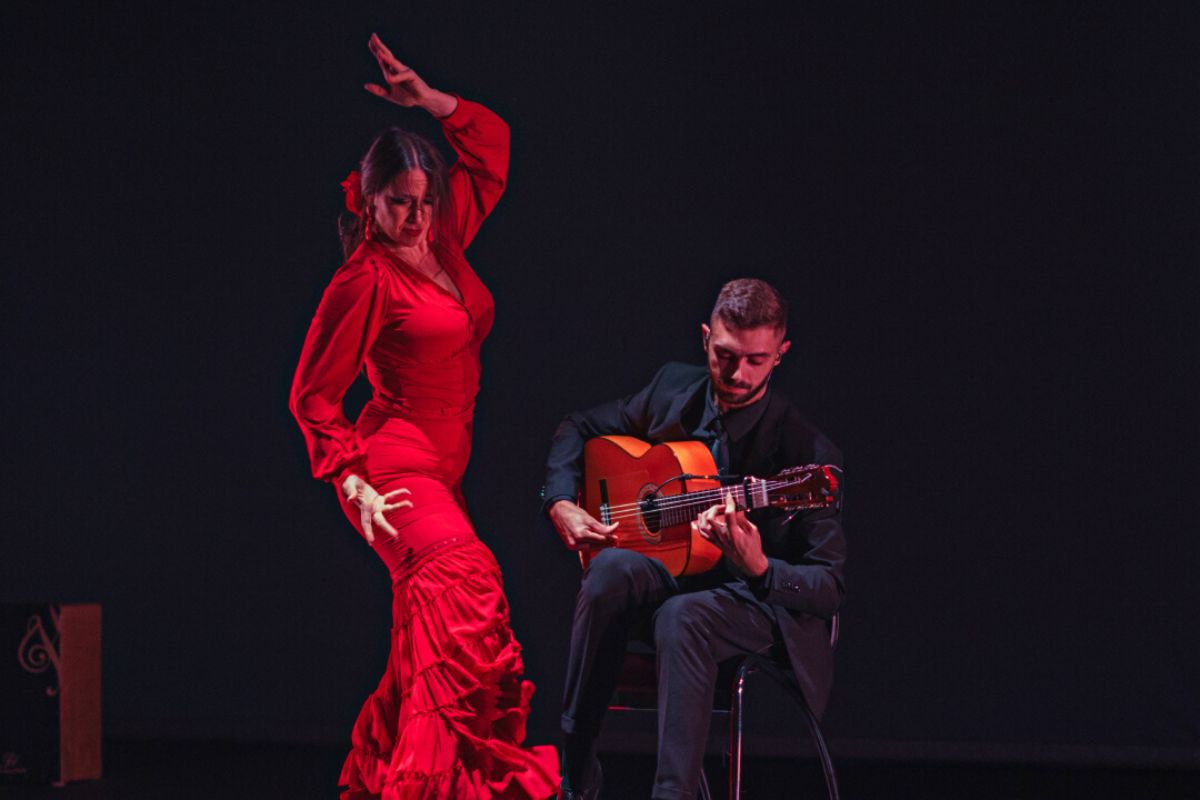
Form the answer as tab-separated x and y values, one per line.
448	718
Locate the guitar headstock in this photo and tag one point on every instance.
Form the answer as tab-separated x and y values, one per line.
803	488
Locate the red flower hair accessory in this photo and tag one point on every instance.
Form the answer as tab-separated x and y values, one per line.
352	186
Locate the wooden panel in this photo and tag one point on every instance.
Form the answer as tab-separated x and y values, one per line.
49	693
79	679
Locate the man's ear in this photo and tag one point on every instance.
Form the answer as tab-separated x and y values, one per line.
705	332
784	346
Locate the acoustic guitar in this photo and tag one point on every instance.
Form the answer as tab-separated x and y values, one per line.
655	492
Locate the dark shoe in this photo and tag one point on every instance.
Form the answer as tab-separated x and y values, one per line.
591	790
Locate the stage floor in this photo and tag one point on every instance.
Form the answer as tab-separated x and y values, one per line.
185	770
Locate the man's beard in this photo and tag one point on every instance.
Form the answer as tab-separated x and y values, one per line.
739	396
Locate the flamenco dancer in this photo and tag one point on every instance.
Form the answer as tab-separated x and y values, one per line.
448	717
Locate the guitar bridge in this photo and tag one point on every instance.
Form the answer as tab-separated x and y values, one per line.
605	514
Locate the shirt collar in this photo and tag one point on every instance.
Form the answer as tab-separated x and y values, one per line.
737	422
708	418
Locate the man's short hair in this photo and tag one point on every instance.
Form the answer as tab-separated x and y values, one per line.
750	303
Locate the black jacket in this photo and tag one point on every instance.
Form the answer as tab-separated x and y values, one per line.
803	586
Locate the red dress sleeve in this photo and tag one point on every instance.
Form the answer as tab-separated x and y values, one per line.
342	331
354	307
477	179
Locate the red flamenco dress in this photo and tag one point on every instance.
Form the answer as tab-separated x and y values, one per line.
448	718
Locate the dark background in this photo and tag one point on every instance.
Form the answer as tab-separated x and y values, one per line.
984	215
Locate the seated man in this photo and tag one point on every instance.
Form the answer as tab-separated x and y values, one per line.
779	581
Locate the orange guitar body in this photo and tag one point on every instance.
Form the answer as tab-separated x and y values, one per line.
619	472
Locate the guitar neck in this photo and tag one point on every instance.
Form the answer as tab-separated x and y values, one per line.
678	509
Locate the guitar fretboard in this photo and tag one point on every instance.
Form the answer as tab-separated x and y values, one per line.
683	508
665	511
676	509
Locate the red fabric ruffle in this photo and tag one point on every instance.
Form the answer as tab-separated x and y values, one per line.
448	718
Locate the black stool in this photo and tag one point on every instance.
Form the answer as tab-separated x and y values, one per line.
635	692
783	675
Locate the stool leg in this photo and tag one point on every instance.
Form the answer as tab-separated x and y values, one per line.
831	786
735	732
705	794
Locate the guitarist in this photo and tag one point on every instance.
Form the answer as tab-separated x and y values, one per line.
777	586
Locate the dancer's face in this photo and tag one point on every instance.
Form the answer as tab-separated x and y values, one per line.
740	361
403	211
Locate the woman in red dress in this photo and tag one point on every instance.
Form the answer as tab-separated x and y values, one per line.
449	715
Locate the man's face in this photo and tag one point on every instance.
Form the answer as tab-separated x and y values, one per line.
740	361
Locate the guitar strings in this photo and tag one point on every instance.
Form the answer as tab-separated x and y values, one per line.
698	497
667	519
739	491
670	503
680	499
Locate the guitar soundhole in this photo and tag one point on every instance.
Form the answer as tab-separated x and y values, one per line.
651	516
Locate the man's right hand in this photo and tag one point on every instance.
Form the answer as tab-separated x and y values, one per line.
578	529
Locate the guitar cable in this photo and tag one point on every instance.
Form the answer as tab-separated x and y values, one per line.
648	502
724	480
